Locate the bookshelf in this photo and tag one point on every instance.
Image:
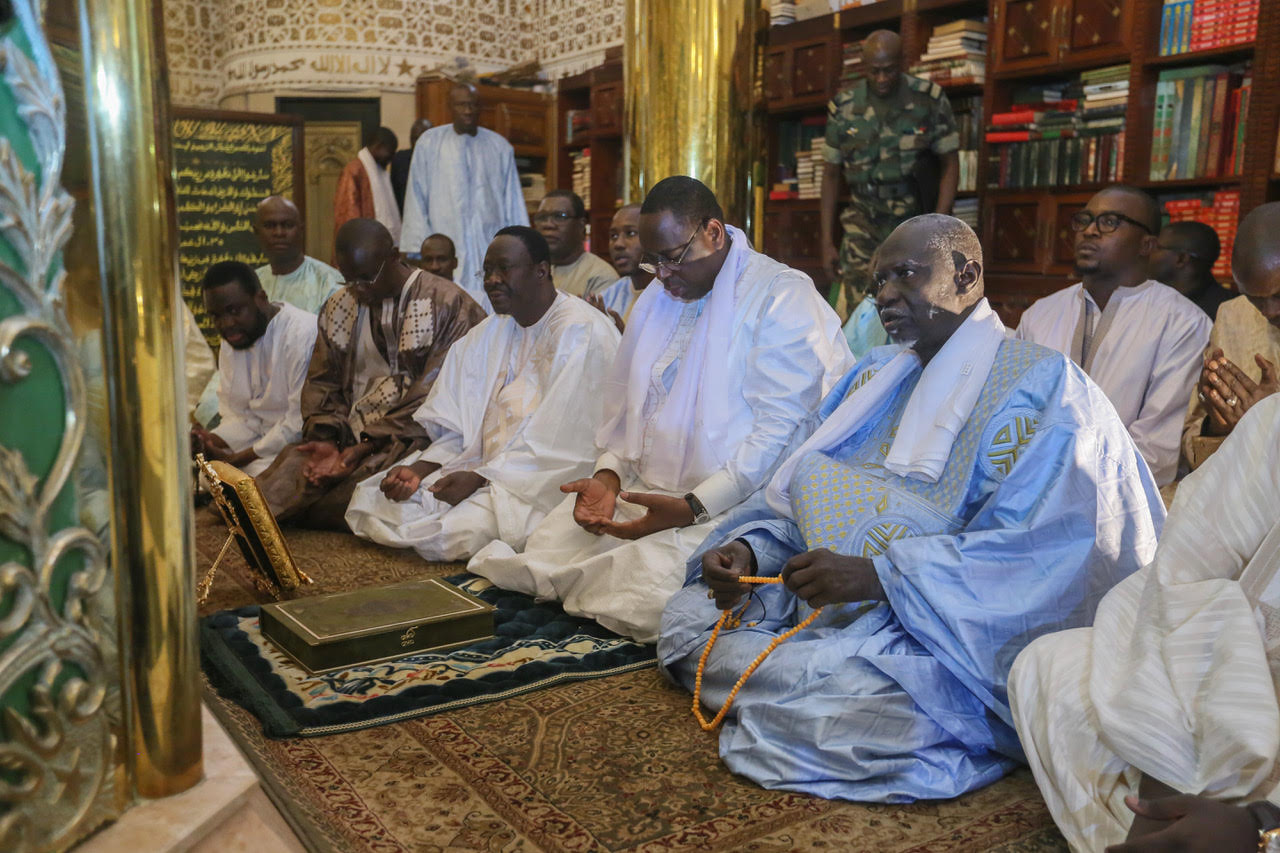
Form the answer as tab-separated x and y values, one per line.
595	97
1025	231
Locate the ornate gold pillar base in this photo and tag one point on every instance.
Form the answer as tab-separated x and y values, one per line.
690	73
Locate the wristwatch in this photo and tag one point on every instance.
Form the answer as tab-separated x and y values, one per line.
1267	816
700	514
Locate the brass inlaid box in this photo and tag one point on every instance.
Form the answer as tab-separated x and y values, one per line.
344	629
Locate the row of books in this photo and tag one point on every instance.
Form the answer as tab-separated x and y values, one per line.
1187	25
577	124
1057	162
581	168
956	54
1220	211
533	181
966	210
968	117
1201	114
850	62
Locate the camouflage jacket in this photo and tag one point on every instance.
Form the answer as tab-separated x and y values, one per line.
882	150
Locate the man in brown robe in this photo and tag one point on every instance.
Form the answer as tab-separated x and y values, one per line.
381	342
364	189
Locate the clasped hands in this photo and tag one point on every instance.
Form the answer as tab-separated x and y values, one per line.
453	488
818	578
1228	393
598	497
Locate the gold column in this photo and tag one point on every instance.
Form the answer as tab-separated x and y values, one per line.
153	553
690	74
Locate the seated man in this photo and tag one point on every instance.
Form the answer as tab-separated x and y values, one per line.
1240	367
438	256
512	415
562	219
381	343
619	298
1183	258
1173	691
715	371
965	493
290	275
262	364
1140	340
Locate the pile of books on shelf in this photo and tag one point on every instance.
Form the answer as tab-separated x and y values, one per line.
1220	211
1187	25
799	169
581	169
533	183
968	115
1200	121
851	62
577	124
966	210
809	169
782	12
1060	135
956	54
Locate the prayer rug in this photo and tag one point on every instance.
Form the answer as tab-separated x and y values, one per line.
607	764
536	645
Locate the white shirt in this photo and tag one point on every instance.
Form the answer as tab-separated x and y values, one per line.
467	188
1144	351
260	392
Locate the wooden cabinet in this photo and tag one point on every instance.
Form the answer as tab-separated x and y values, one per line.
801	74
1030	232
1036	34
792	232
525	119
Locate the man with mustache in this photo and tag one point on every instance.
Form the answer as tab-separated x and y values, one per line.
719	364
266	347
963	492
1140	340
512	415
382	340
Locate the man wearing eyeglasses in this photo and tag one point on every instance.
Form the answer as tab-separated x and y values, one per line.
717	367
562	220
382	339
1140	340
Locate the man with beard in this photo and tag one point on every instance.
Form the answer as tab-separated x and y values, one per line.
266	347
723	360
562	220
290	275
512	415
381	343
963	492
1140	340
624	248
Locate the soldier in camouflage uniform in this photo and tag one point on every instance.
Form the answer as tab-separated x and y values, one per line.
877	129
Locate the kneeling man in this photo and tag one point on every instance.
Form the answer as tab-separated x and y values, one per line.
512	415
382	341
715	371
262	365
964	493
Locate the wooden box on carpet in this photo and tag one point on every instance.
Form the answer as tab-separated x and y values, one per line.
345	629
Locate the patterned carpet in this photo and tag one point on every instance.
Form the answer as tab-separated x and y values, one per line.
615	764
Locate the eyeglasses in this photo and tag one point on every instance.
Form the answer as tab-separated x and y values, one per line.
502	269
367	281
652	263
553	216
1107	222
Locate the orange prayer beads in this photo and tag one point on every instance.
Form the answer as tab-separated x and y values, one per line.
702	663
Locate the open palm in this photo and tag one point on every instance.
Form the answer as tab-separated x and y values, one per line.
595	503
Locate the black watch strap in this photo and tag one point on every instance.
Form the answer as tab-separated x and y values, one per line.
1266	815
700	514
